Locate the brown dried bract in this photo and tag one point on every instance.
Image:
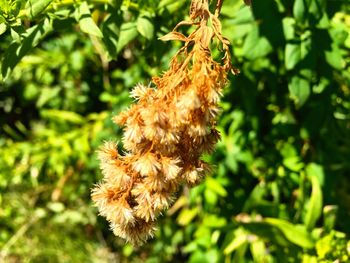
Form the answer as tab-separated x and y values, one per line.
165	132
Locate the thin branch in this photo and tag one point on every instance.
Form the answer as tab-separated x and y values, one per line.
218	7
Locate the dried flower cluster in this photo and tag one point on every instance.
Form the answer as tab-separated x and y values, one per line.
166	132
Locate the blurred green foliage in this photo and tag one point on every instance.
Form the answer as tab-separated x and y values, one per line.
280	191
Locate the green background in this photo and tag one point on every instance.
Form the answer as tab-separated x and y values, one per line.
280	190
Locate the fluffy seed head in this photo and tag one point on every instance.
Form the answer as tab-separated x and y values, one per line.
165	132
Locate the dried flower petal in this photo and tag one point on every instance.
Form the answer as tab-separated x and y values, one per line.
170	167
147	165
109	151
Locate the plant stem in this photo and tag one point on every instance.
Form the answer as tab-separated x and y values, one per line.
218	7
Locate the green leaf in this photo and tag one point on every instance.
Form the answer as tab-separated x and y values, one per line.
190	247
300	10
297	49
186	216
214	221
145	27
324	246
231	161
288	28
3	28
324	21
258	250
316	10
314	207
35	7
314	169
329	217
18	33
299	89
215	186
110	28
56	207
170	5
63	116
203	236
309	259
163	3
293	163
296	234
334	57
210	196
16	7
198	256
4	6
321	86
16	51
46	94
242	16
128	31
292	55
86	23
256	46
255	197
239	238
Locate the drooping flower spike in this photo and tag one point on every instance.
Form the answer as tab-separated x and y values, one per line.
166	131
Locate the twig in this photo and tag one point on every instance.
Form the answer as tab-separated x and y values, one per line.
218	7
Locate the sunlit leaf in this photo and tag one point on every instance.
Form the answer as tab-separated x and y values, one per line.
296	234
299	90
255	45
215	186
186	216
35	7
60	115
87	24
314	207
240	237
16	51
3	28
145	27
128	31
300	10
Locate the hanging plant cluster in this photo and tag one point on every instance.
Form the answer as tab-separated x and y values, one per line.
166	131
